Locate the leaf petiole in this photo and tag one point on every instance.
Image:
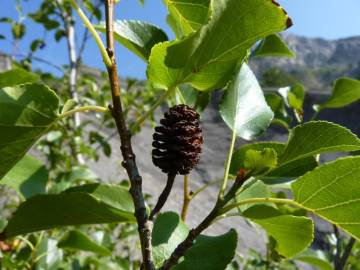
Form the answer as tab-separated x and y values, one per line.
227	165
83	109
94	33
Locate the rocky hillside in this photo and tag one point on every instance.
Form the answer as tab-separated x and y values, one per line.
318	62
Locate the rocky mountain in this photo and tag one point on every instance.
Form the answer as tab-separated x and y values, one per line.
318	61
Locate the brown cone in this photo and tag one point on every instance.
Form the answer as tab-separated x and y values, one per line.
177	141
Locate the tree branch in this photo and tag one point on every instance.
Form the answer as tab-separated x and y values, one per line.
215	212
129	163
163	196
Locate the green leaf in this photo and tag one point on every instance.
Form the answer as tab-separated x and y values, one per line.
88	205
59	34
37	44
139	37
80	173
293	234
26	113
345	92
238	158
193	98
243	106
169	231
277	105
77	240
255	190
48	254
315	258
112	195
69	105
17	76
188	15
18	30
210	252
332	191
289	171
280	174
29	177
273	45
3	223
318	137
94	10
175	27
207	58
260	161
294	96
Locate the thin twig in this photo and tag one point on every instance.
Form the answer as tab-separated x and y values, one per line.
163	196
187	198
202	188
129	163
41	60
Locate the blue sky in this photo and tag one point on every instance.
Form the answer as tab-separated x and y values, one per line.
328	19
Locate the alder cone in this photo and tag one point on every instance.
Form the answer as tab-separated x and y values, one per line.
177	141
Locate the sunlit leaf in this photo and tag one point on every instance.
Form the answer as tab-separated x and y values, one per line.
273	45
207	58
28	177
332	191
243	106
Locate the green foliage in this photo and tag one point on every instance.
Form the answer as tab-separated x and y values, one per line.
16	76
187	16
258	162
195	99
318	137
316	259
243	106
273	45
18	30
345	92
48	254
78	206
278	174
216	252
329	192
210	252
292	234
26	113
169	231
77	240
294	96
28	177
212	50
253	189
277	105
139	37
